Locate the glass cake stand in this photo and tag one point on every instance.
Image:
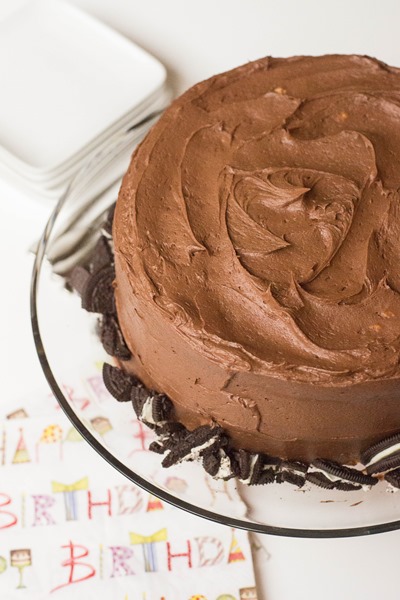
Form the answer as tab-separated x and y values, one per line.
71	354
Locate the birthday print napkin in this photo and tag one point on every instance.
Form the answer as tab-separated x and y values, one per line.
72	526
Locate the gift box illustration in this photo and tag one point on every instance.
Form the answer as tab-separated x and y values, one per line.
69	491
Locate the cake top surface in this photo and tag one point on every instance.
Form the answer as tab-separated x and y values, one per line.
261	215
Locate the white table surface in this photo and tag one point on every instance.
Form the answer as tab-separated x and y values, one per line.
196	40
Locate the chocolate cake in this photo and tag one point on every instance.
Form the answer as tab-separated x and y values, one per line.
257	271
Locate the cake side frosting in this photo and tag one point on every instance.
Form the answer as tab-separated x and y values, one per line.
256	241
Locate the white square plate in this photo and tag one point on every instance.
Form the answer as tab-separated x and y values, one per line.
65	79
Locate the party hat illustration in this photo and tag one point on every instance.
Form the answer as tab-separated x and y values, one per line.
73	435
21	453
154	503
235	552
53	434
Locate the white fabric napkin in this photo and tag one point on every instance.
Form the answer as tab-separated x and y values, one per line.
70	524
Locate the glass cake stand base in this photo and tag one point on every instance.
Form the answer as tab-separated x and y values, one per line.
71	356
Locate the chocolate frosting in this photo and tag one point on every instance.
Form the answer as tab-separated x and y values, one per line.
257	254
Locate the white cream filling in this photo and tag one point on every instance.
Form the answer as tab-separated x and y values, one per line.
294	471
147	411
253	461
225	469
383	454
194	454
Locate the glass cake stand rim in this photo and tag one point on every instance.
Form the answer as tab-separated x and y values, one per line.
120	466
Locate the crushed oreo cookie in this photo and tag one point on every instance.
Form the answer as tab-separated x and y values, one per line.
293	472
387	445
155	410
388	463
118	383
252	469
332	475
217	463
194	445
112	339
382	456
344	474
320	480
393	479
98	292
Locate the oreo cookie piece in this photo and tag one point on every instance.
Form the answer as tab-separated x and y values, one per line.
393	478
193	446
267	476
389	444
138	396
217	464
98	292
344	474
171	434
102	255
118	383
253	468
78	279
319	479
242	464
385	464
157	448
293	472
156	409
376	457
112	339
346	486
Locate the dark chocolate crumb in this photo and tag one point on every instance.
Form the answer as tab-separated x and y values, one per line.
344	473
118	383
78	279
385	464
384	444
102	255
393	477
112	339
98	292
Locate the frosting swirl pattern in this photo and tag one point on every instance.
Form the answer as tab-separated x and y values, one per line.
261	219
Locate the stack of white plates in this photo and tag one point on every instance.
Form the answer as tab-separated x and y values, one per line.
70	85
